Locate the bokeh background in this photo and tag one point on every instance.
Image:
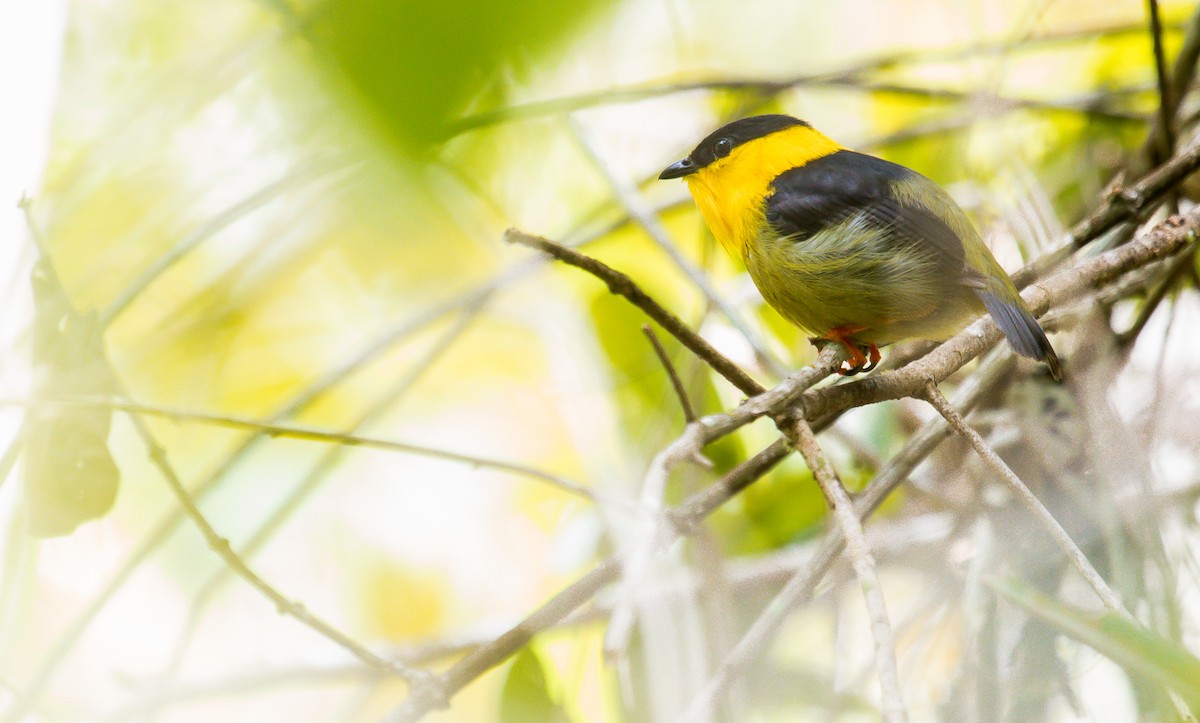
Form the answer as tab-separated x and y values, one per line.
276	211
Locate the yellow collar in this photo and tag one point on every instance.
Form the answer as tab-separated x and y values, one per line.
730	191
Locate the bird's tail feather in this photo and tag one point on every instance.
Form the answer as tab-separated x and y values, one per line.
1022	331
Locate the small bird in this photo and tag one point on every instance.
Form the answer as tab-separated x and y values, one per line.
851	248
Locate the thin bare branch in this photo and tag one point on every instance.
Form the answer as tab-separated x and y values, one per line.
317	474
346	439
689	416
1027	498
1166	102
221	547
850	77
1183	72
864	569
422	700
619	283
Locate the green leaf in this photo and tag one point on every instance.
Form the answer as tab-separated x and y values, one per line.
1141	652
525	696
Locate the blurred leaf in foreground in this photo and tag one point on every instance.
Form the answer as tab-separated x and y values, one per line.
1140	652
525	696
70	477
416	65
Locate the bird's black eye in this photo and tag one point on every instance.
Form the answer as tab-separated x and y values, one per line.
722	147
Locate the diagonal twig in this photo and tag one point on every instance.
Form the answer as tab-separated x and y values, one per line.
220	546
1166	101
1183	72
312	481
863	564
1027	498
619	283
683	520
689	415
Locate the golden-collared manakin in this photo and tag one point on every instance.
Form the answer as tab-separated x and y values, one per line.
851	248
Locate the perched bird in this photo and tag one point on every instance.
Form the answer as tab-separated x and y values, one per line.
851	248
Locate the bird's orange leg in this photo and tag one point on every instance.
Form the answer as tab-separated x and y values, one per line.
857	361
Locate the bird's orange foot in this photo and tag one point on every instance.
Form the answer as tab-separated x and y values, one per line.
860	358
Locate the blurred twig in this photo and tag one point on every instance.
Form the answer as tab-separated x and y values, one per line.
1183	73
346	439
12	452
1166	101
317	474
285	606
850	80
206	230
1028	499
689	416
851	76
239	683
864	569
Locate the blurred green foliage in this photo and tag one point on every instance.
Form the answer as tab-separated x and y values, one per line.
525	696
70	475
418	65
1138	650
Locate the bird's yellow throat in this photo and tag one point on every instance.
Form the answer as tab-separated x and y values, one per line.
731	190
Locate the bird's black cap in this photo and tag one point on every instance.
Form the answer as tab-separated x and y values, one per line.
720	142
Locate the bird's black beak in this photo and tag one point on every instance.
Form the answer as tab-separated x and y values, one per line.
678	169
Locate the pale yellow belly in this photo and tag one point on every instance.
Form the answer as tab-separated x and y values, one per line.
834	280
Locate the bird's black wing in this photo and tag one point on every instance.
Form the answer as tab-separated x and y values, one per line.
830	190
920	218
